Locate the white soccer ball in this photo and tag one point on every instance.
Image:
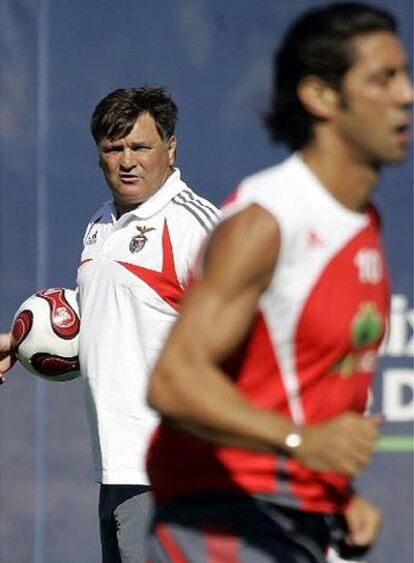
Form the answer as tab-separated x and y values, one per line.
45	334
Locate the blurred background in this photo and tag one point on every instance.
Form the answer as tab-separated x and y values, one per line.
59	58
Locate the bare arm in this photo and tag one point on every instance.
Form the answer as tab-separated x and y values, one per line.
189	388
187	384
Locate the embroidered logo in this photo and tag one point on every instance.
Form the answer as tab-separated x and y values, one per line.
92	238
313	239
367	325
137	242
366	329
165	282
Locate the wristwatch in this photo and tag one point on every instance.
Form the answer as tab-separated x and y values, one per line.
294	439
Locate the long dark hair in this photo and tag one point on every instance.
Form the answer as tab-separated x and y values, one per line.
318	43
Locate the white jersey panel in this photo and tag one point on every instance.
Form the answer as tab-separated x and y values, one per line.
314	227
131	279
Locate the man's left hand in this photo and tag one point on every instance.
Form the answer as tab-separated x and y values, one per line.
364	521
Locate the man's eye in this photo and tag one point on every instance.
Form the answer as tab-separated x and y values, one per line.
107	150
140	148
384	78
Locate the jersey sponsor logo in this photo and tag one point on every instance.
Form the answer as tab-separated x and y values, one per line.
367	326
138	242
369	264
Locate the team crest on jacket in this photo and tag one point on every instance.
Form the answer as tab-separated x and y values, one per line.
137	242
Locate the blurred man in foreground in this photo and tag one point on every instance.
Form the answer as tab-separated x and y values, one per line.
264	380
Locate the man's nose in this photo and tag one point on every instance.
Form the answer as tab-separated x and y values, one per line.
406	91
127	161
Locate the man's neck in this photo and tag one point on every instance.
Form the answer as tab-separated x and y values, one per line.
348	178
121	209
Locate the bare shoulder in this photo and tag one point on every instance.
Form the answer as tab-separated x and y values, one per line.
255	221
244	246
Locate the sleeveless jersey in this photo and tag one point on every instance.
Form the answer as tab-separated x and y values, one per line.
311	353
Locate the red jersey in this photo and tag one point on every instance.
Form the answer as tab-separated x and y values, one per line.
312	351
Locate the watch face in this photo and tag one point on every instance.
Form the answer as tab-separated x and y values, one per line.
293	440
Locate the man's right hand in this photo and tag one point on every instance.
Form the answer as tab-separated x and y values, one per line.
7	356
343	445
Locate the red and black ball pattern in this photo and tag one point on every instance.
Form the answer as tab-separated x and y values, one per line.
63	319
45	334
21	327
52	365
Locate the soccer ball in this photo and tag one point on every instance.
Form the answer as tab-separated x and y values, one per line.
45	334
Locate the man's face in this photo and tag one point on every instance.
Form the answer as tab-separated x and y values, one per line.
137	165
377	94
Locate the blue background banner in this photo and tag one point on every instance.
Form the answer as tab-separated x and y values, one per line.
59	58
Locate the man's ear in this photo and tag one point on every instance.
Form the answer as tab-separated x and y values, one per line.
317	97
172	148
